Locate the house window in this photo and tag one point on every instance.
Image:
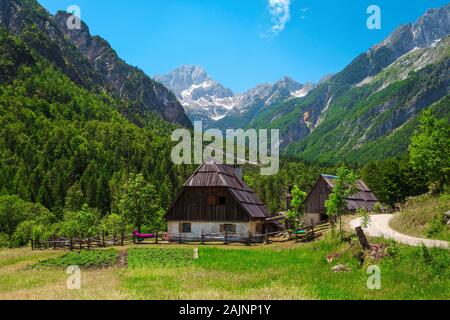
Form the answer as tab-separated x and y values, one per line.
222	201
211	201
185	228
231	228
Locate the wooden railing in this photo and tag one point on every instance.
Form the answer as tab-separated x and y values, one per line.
312	232
302	235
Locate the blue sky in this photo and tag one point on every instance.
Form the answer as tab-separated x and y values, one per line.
242	43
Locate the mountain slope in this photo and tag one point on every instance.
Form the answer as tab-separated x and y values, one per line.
262	98
60	140
202	97
374	97
51	38
207	100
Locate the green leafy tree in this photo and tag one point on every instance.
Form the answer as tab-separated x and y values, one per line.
365	217
394	180
113	225
430	149
298	198
140	204
23	233
82	224
74	199
344	187
14	211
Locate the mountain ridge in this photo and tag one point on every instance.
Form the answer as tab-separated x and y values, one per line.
50	36
207	100
356	107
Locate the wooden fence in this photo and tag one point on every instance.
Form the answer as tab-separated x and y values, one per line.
224	238
312	232
301	235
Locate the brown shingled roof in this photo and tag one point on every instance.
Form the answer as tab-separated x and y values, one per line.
364	198
213	174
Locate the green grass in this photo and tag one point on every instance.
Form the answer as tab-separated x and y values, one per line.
159	257
277	271
301	272
83	259
423	217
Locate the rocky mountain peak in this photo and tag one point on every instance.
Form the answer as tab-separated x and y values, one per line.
126	81
430	27
184	77
208	100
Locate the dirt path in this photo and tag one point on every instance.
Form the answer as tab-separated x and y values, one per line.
380	228
123	259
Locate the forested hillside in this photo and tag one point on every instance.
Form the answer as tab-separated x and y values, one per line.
59	138
94	66
370	109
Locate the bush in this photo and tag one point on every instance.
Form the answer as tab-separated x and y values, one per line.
378	207
4	243
392	251
435	226
435	260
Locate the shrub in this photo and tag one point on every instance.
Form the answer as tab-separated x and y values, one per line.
435	226
435	260
392	251
4	243
378	207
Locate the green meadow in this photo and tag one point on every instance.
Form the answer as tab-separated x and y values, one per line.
275	271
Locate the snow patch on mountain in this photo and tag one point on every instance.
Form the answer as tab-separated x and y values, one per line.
208	100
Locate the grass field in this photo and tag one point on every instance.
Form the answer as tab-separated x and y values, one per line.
277	271
423	217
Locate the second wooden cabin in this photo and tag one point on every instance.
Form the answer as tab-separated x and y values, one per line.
315	201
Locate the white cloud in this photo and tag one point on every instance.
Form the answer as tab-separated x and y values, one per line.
280	11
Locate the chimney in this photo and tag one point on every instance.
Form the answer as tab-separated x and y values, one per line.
238	172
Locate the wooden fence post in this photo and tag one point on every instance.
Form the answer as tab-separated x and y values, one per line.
267	238
362	238
226	237
156	238
249	239
122	237
54	242
312	236
103	239
203	238
179	238
32	245
70	244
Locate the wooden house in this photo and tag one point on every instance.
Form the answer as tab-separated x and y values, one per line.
315	201
216	200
